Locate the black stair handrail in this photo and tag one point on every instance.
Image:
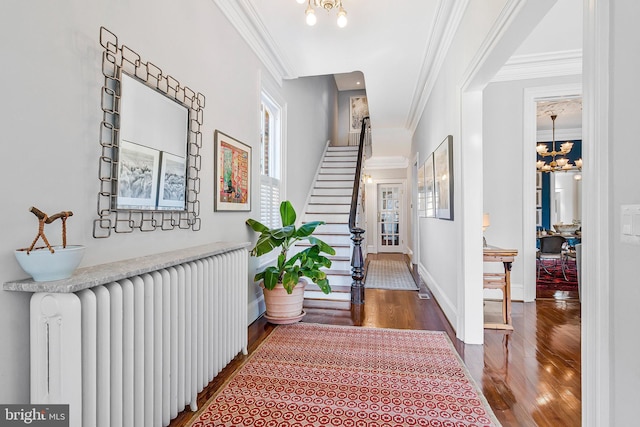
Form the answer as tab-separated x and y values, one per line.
357	261
356	181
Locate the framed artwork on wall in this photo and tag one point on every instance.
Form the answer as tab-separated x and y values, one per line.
138	171
232	174
421	192
443	170
539	198
429	184
173	178
358	110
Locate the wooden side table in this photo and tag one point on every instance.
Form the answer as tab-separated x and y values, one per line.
500	281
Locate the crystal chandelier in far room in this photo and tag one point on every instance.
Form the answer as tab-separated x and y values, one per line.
557	164
327	5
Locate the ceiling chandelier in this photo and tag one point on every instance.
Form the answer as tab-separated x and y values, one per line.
557	164
327	5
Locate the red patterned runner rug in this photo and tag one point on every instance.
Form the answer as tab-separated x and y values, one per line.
318	375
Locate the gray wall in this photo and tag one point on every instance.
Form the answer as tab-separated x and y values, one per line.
51	113
344	112
625	176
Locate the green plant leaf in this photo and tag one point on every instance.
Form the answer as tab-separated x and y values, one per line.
283	233
271	276
290	280
287	213
257	226
324	286
265	244
324	247
308	228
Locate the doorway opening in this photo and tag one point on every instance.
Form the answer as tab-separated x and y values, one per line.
558	197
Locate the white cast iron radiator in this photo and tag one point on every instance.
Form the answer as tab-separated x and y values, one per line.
136	351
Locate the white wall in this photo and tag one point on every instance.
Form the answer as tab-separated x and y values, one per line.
311	103
625	176
51	113
440	240
503	192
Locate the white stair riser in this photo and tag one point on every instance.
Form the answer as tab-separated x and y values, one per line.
338	163
334	149
332	239
339	280
340	250
341	200
334	209
340	228
340	156
334	171
336	177
328	217
335	184
333	191
341	265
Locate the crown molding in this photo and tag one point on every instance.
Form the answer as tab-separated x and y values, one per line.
561	135
447	19
551	64
386	162
244	18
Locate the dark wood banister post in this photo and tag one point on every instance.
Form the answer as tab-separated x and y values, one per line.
357	267
357	262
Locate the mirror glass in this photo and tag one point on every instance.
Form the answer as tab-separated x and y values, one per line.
152	155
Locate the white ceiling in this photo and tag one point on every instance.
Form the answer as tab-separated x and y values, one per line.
392	44
385	40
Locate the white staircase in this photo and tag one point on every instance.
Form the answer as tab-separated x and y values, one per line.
330	201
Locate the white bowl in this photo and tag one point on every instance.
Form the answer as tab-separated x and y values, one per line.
44	266
566	228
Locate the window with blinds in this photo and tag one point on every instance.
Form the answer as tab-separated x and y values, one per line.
270	150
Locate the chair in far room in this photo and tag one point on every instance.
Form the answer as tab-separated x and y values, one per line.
551	248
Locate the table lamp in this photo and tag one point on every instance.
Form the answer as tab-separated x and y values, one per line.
486	222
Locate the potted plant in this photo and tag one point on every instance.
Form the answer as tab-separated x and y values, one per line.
283	283
50	262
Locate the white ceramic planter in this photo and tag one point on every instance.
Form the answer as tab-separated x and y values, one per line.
283	308
45	266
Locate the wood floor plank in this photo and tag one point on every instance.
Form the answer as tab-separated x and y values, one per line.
530	376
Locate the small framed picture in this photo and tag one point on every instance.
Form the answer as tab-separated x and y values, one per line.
443	170
173	178
232	174
538	198
421	192
138	171
429	184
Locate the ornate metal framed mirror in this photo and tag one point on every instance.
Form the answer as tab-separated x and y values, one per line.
150	139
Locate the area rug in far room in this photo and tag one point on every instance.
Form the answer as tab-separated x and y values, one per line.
554	280
318	375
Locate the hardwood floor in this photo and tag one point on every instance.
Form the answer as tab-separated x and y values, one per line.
530	376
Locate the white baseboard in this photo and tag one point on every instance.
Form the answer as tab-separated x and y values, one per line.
445	303
517	292
255	309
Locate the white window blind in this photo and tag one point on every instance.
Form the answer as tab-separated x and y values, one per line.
270	201
270	163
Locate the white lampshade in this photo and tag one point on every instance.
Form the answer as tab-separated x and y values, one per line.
486	221
300	1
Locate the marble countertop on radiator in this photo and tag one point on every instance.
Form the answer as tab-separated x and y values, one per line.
88	277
